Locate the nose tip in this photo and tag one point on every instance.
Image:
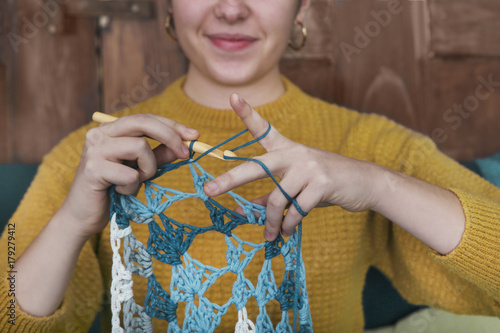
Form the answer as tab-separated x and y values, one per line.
231	10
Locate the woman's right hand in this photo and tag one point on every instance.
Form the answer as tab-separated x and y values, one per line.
107	151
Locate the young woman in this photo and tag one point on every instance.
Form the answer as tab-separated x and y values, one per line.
390	198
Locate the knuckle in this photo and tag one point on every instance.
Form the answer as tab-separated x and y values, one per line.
312	165
94	136
126	189
91	168
293	214
174	137
141	117
142	144
273	226
299	148
179	127
274	202
171	138
150	171
92	152
131	177
322	180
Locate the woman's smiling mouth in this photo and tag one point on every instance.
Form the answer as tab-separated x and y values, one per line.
231	42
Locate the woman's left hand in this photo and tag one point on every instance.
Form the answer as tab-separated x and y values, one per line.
314	177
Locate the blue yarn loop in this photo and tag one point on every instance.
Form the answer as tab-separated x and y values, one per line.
170	167
169	241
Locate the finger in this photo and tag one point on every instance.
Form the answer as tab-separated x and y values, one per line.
259	201
125	178
130	189
186	133
164	130
132	149
276	205
164	155
242	174
255	123
307	200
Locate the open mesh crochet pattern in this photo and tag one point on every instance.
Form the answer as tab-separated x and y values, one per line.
169	244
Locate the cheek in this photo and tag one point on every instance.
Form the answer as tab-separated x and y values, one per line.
278	21
188	15
278	31
187	20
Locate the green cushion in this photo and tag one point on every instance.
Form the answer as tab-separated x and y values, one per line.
490	168
432	320
382	303
14	181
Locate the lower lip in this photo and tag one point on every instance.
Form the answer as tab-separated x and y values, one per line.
231	45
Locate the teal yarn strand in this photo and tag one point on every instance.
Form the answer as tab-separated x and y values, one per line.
169	242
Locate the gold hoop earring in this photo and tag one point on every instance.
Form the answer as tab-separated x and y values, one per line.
304	38
169	27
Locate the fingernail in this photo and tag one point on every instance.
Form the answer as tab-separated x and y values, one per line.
213	186
267	235
284	234
185	151
241	99
192	131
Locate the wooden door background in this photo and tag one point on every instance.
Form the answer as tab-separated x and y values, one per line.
433	65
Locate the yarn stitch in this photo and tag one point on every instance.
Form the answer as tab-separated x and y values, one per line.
191	278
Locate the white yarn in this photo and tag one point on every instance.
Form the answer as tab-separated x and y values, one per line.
121	285
244	325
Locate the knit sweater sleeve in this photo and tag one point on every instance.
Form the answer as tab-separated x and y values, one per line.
465	281
45	195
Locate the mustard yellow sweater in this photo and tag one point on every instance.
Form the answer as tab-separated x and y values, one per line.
338	246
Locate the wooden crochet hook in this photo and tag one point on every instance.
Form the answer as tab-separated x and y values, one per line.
198	147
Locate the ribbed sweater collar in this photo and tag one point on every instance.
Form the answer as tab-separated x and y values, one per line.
197	116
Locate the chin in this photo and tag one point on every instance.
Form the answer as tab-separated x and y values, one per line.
234	74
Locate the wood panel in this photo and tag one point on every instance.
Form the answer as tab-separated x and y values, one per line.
365	55
384	64
139	60
4	135
4	132
313	68
464	27
465	107
386	77
315	76
55	86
